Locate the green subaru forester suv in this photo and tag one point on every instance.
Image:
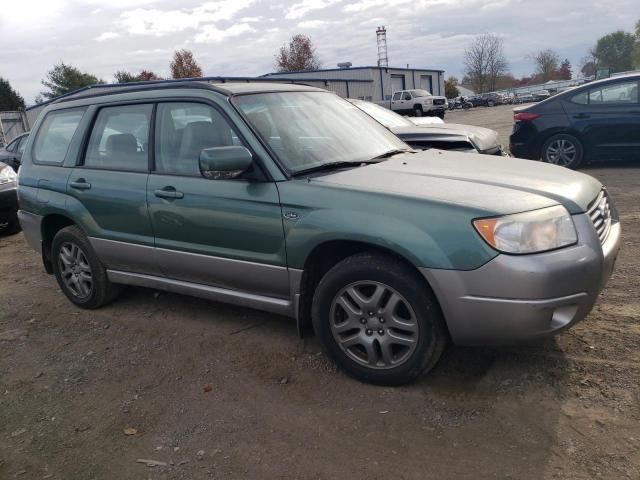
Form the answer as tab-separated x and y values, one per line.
289	199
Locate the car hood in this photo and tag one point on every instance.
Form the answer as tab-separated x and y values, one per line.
495	185
483	139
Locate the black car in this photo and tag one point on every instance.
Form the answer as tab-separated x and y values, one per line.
8	201
12	153
600	120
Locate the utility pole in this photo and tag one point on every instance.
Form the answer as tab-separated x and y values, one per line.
383	56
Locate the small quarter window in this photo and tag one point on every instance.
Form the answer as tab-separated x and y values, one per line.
120	139
55	134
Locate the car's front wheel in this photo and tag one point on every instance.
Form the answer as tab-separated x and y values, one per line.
378	320
79	272
563	150
417	111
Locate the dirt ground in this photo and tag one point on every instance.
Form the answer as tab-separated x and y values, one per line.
72	382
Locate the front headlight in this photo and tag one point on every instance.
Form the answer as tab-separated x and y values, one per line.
7	175
529	232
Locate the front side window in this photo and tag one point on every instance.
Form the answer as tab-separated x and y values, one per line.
616	94
120	139
397	95
310	129
183	130
55	134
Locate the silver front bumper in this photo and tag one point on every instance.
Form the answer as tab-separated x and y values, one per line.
518	298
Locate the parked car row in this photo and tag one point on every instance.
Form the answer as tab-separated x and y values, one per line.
289	199
599	120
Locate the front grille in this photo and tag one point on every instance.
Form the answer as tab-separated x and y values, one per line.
600	214
438	101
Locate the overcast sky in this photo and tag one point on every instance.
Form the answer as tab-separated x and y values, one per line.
240	37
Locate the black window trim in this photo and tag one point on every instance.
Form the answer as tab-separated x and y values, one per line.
80	161
34	158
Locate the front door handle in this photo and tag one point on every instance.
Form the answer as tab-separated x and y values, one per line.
80	184
168	192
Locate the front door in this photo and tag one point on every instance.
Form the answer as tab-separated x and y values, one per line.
110	189
224	233
608	117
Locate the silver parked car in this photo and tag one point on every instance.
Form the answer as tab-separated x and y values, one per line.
445	136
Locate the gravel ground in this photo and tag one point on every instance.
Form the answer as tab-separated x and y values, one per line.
214	391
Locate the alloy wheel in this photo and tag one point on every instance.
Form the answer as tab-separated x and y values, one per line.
75	270
561	152
374	324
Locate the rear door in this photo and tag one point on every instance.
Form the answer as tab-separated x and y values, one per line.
109	188
608	117
222	232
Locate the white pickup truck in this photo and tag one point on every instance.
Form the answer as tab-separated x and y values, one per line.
416	103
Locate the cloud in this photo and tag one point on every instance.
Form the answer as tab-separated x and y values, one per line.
156	22
212	34
311	24
106	36
300	9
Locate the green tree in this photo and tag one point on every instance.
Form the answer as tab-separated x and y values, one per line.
451	87
636	49
65	78
615	51
9	98
123	76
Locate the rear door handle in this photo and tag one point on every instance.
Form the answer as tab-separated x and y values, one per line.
582	115
80	184
168	192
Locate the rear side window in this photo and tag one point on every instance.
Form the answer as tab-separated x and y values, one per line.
397	95
618	93
581	98
120	139
55	134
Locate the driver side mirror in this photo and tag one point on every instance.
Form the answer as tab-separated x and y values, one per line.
224	163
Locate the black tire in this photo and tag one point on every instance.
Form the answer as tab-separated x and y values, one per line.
417	111
467	106
570	144
440	114
431	335
491	103
101	290
11	228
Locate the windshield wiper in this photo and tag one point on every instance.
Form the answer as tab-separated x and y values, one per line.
390	153
328	166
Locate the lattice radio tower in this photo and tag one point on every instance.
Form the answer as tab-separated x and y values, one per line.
383	57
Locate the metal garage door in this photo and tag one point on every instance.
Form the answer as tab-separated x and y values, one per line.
397	83
426	83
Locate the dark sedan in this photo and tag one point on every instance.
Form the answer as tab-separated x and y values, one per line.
600	120
12	153
444	136
8	201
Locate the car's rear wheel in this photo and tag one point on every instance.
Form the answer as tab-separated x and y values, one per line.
563	150
11	227
378	320
79	272
417	111
491	103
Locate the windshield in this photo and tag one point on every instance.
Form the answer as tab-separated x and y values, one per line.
310	129
383	115
420	93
